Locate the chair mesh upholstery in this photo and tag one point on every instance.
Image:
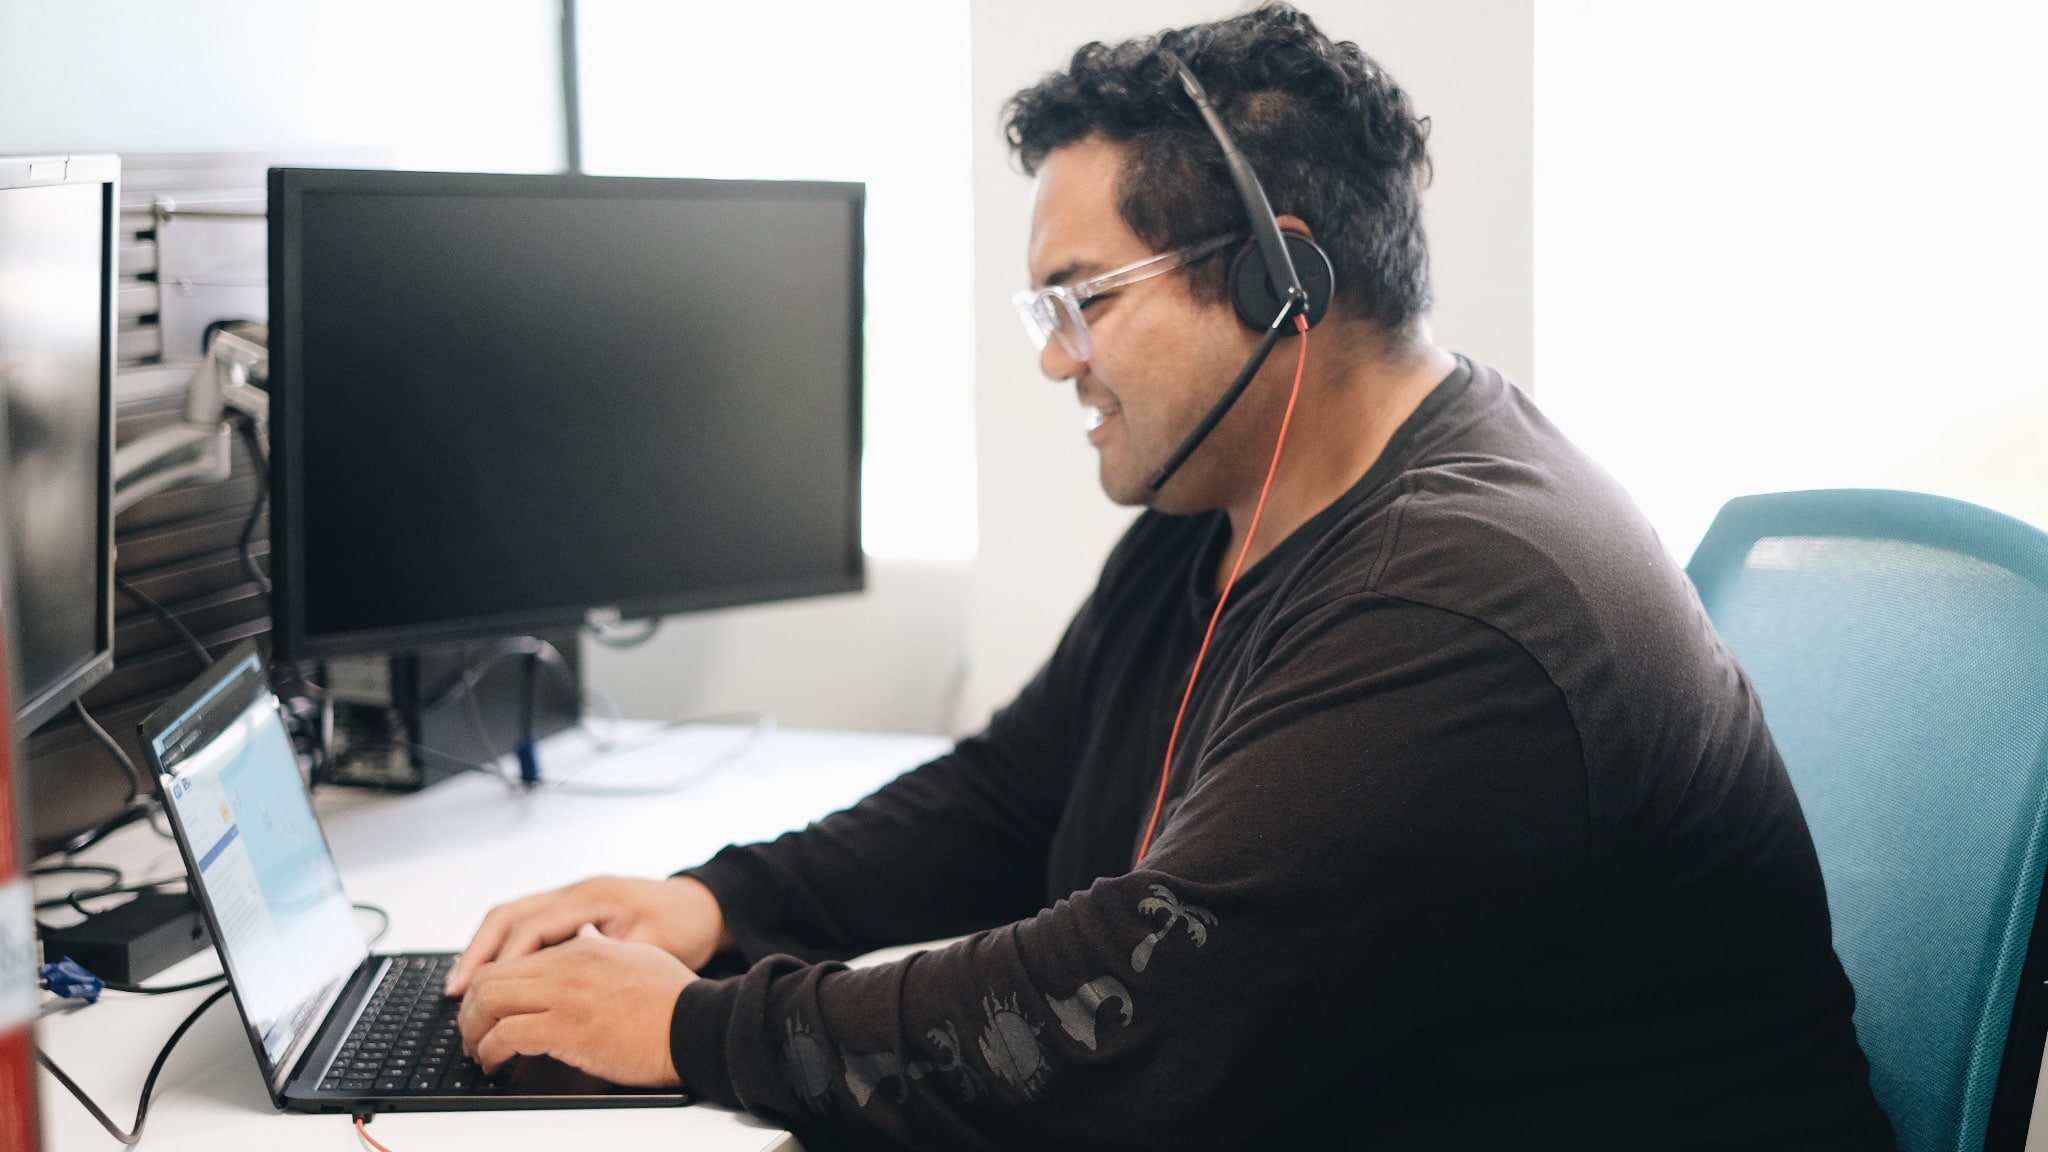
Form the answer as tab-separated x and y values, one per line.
1899	643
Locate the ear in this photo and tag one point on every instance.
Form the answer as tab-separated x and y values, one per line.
1296	225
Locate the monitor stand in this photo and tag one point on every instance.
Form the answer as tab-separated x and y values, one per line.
402	721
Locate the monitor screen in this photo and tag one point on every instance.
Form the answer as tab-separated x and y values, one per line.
503	403
57	227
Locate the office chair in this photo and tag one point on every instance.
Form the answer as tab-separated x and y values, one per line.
1899	642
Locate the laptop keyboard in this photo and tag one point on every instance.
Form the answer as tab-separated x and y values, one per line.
407	1039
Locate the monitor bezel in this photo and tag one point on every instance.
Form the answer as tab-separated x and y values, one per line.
32	712
288	187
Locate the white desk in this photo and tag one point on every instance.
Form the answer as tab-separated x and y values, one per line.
436	860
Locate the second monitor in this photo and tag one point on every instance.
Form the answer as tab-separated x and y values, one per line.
504	403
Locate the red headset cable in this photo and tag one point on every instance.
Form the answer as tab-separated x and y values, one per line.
1272	470
363	1130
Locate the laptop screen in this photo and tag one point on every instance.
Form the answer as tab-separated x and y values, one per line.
286	933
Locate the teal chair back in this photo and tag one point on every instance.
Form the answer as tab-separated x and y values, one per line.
1899	642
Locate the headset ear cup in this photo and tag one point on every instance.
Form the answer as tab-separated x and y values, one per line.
1252	291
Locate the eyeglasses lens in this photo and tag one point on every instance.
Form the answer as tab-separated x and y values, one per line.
1051	315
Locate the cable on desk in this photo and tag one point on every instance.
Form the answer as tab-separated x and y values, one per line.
73	899
363	1131
160	989
107	870
603	743
383	918
764	725
138	809
113	876
148	1084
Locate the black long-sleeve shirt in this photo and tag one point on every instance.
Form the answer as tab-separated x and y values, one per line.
1476	837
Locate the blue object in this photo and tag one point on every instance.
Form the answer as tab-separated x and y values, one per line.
529	762
1899	642
69	979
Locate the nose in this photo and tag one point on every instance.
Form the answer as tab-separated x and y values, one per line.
1057	363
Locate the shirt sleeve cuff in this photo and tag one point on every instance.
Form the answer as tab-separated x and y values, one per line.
696	1039
748	899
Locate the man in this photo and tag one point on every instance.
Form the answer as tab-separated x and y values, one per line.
1472	832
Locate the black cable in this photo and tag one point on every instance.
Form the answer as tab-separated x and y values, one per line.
160	989
383	917
113	876
66	900
151	888
261	460
138	787
148	1084
165	614
107	870
137	809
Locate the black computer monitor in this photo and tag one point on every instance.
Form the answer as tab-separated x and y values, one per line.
504	403
58	217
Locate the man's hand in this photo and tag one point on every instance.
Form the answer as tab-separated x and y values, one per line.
680	916
601	1005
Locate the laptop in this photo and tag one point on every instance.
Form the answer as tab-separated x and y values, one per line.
335	1028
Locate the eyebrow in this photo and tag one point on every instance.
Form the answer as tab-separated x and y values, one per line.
1073	269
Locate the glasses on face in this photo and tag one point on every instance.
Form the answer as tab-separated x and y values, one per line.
1054	311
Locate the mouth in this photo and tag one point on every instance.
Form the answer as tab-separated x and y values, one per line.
1094	416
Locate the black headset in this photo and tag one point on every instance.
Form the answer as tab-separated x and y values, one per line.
1304	284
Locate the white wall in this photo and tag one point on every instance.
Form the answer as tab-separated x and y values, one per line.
433	83
1045	526
1795	246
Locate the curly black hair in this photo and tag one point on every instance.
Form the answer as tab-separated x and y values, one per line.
1334	140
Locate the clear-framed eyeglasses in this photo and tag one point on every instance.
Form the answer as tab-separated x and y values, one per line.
1054	311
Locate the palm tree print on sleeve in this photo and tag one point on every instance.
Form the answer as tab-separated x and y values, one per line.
1197	918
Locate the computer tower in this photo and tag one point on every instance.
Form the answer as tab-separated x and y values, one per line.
405	720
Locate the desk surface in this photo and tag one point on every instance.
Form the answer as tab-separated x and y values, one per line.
654	801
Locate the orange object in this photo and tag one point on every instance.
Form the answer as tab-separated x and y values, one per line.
17	957
1272	470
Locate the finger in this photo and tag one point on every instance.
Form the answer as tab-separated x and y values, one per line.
528	926
492	999
483	946
527	1035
